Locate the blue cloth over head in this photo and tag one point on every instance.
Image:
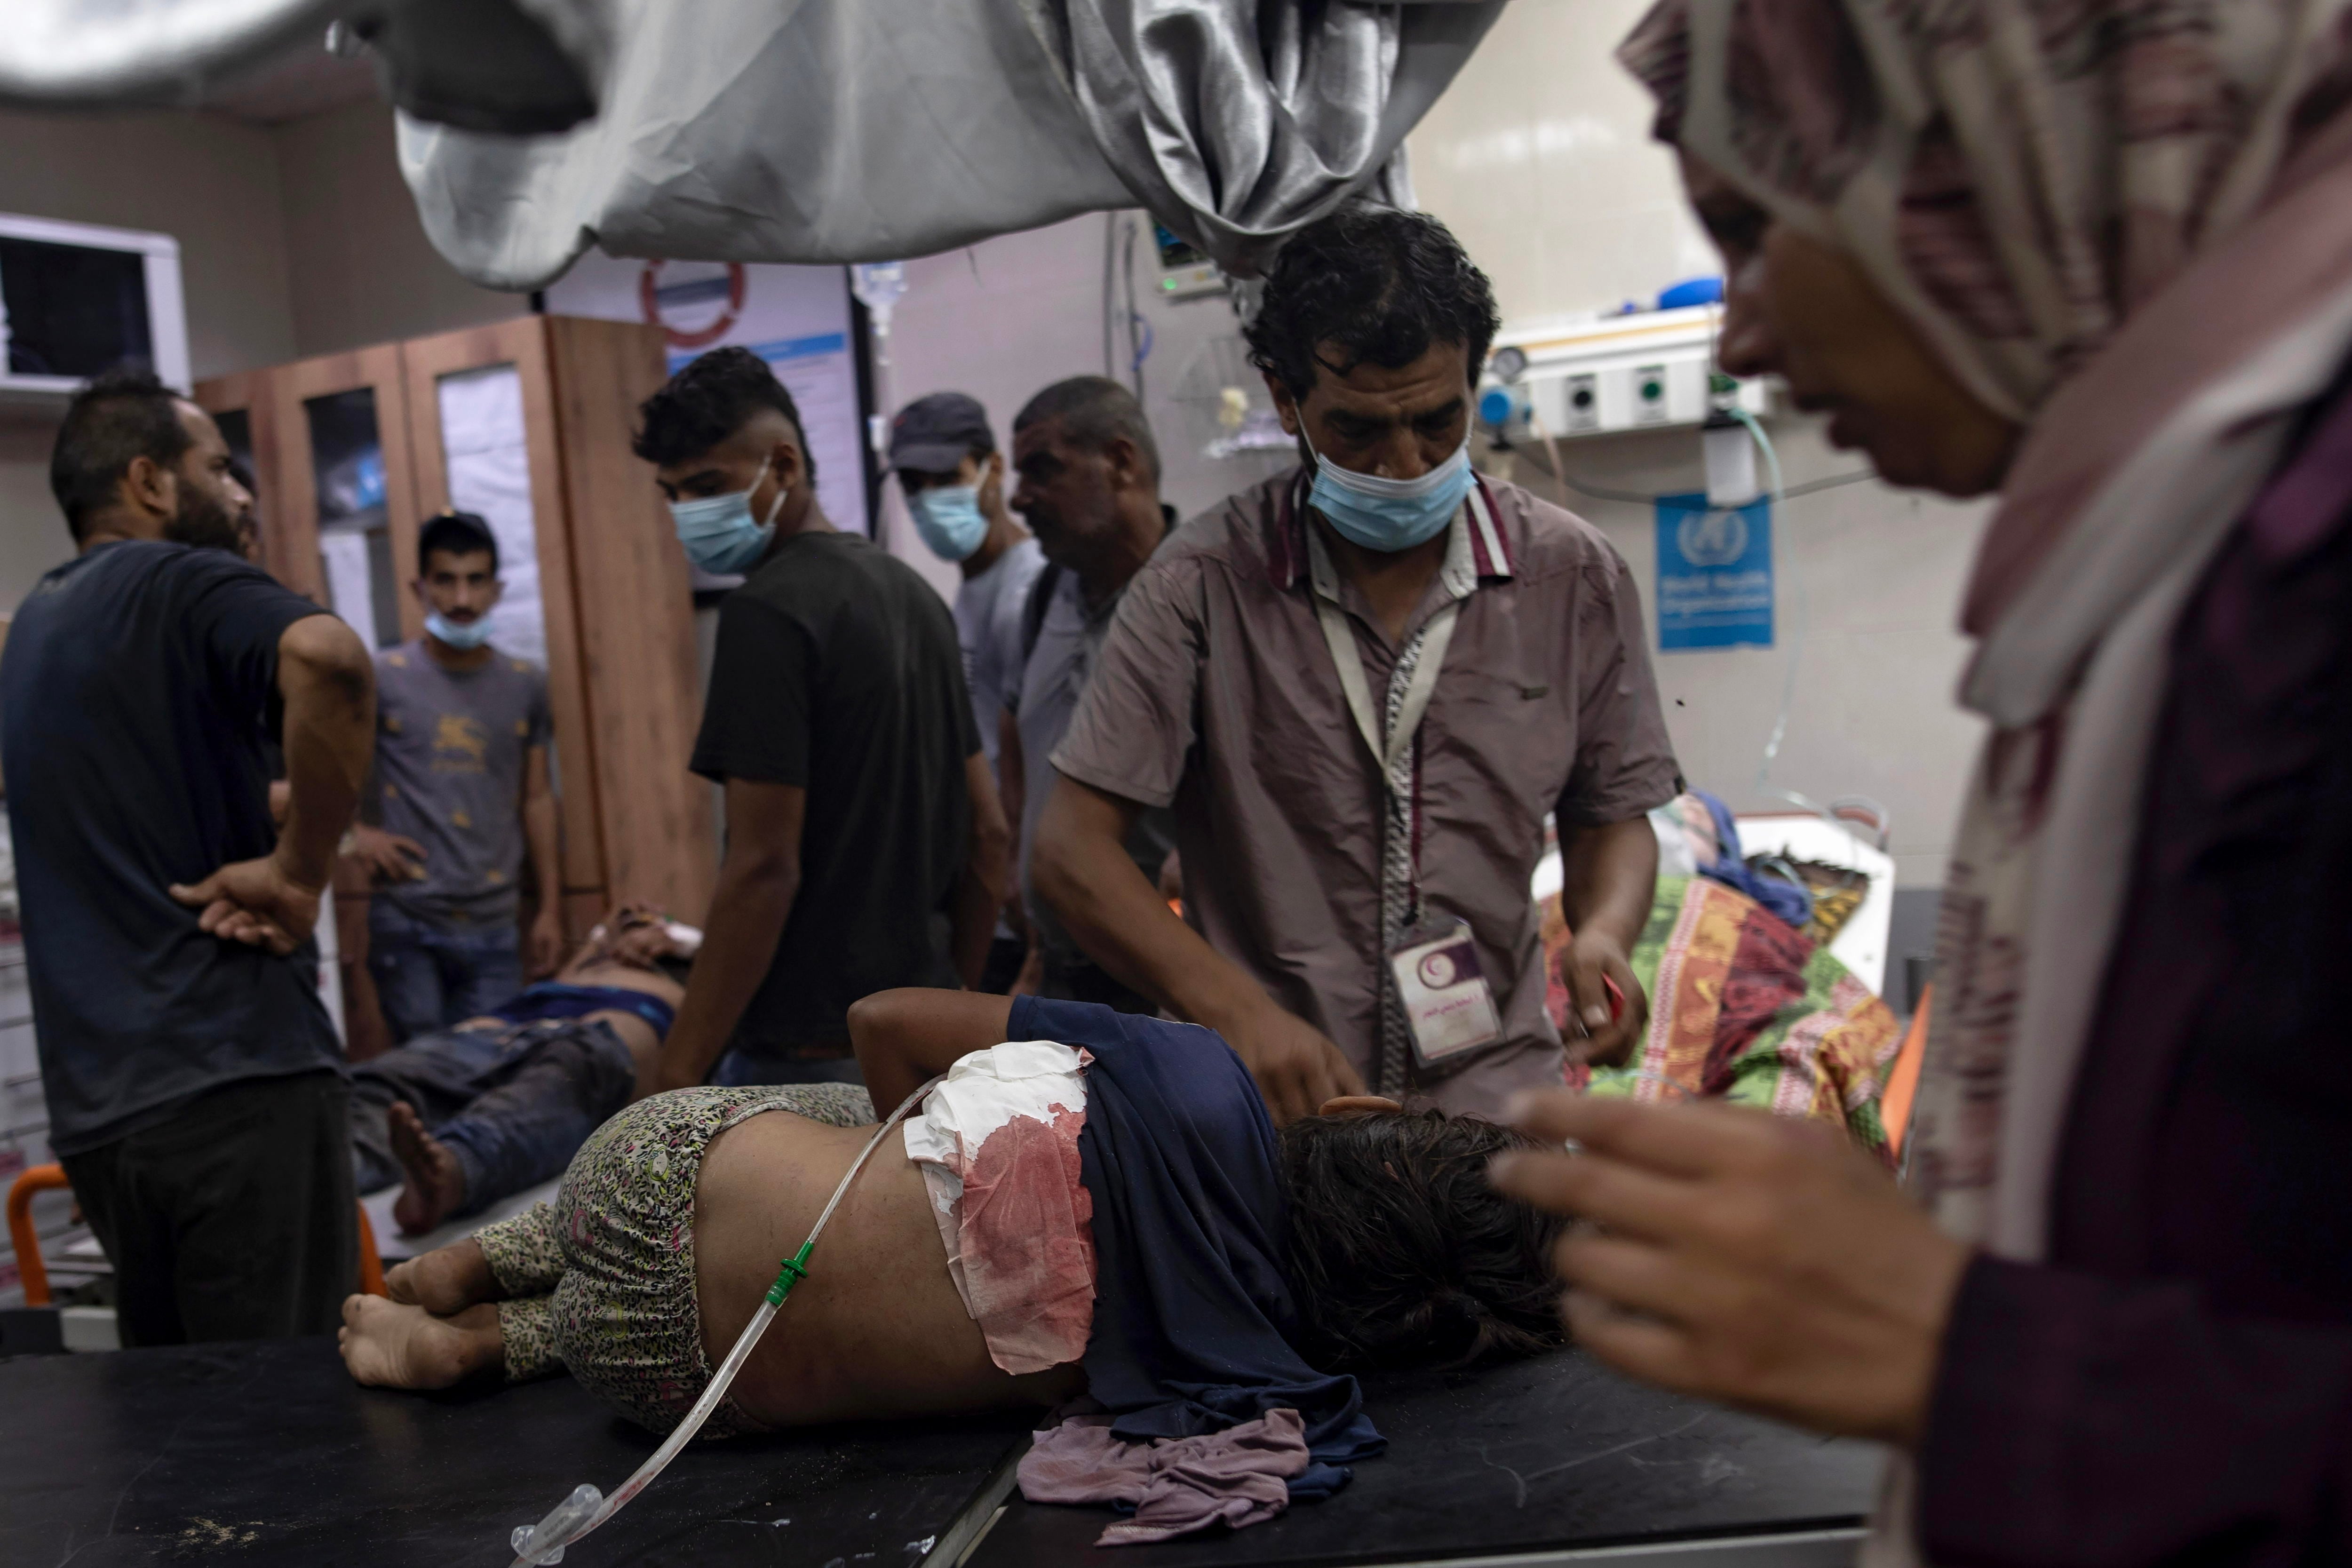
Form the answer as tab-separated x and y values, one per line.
1785	898
1194	1317
554	999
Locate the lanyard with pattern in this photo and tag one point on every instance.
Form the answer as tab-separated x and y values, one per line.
1390	738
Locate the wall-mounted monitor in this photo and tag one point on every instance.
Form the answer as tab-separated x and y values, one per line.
76	299
1185	270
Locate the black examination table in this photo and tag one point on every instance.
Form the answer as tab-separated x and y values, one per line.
262	1455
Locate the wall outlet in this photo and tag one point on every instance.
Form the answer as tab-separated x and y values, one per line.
1650	399
1583	398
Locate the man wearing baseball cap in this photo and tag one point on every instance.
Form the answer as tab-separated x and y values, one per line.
953	479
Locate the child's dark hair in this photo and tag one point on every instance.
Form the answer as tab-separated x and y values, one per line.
1401	1252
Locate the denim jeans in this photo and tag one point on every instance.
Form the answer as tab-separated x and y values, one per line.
512	1104
429	976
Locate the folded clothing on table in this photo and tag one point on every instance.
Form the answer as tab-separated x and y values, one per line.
1235	1478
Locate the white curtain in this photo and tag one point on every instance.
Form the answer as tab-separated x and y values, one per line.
823	131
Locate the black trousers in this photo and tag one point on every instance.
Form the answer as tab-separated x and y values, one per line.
234	1220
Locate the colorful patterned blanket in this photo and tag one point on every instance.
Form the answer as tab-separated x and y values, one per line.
1744	1008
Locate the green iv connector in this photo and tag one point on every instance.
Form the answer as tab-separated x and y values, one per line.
791	1272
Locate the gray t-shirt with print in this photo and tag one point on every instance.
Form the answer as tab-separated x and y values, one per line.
450	749
988	626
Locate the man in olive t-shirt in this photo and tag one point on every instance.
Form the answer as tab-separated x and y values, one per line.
865	846
462	782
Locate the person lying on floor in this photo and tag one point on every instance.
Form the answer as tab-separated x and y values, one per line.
502	1101
1119	1219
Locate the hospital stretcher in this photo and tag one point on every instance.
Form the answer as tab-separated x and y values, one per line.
268	1454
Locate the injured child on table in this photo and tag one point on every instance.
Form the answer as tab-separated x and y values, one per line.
500	1103
1098	1214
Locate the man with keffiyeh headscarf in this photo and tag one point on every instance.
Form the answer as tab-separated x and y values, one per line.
2095	255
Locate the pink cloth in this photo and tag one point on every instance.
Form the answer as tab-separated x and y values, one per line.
1025	1244
998	1143
1235	1478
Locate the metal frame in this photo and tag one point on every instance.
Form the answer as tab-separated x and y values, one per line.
167	315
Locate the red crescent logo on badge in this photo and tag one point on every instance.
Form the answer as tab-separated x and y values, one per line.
682	310
1437	970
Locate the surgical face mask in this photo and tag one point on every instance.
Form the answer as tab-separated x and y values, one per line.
717	531
458	635
950	520
1389	515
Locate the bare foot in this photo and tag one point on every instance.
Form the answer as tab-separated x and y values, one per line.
437	1182
443	1281
389	1344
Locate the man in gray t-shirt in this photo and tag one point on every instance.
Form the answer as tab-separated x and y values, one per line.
952	476
1090	489
461	783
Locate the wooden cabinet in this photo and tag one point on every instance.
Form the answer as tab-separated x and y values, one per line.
528	422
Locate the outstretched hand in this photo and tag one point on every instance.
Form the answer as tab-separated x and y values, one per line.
255	902
1744	1258
1295	1068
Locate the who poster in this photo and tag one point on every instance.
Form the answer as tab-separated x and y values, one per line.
1715	573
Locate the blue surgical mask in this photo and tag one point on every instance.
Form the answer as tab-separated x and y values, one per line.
458	635
950	520
717	531
1389	515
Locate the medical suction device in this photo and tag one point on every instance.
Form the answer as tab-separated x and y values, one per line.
586	1507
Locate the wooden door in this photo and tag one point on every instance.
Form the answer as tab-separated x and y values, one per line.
245	407
635	607
346	511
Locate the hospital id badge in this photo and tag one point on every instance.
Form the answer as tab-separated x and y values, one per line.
1448	1004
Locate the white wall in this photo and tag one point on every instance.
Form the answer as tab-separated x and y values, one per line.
33	535
358	268
1867	580
212	184
295	240
1538	157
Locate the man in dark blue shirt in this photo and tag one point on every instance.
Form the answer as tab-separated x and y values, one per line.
194	1083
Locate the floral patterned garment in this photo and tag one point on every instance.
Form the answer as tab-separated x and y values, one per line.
1743	1007
602	1281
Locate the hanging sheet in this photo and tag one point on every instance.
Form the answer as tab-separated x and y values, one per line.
823	131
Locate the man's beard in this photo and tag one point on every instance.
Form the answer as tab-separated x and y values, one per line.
205	523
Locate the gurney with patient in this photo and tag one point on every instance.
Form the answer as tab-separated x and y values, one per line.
1127	1238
